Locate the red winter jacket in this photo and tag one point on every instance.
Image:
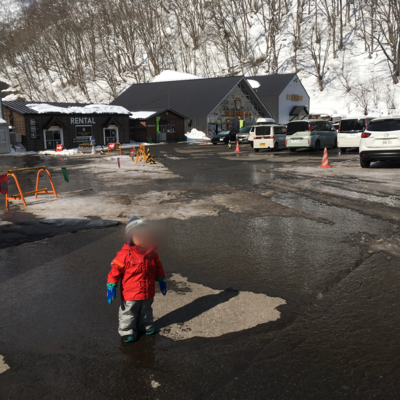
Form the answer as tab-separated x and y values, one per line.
138	272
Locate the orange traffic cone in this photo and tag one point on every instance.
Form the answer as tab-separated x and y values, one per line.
325	160
237	148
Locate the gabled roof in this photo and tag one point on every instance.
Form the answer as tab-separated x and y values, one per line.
193	98
150	114
271	85
21	108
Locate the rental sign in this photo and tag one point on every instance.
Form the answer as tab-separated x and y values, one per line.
82	121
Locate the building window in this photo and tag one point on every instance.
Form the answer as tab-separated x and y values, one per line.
83	132
111	135
53	137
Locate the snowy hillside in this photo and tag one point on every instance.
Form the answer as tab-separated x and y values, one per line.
92	51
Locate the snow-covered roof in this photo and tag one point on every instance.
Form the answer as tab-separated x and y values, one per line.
253	83
2	121
169	75
90	109
141	114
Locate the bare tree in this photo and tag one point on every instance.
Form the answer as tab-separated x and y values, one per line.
319	54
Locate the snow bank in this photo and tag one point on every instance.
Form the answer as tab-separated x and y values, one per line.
90	109
2	121
253	83
168	75
324	111
64	152
141	114
196	135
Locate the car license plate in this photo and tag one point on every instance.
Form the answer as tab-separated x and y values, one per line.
221	140
352	135
262	144
386	142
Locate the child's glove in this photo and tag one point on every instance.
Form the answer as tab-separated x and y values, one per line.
111	292
163	285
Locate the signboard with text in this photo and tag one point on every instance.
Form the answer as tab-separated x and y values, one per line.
294	97
34	128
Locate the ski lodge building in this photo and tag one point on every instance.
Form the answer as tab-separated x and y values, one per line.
213	105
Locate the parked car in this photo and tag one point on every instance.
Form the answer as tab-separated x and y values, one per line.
243	135
349	132
225	137
260	121
312	134
269	137
380	141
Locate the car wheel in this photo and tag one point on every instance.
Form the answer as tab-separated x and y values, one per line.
364	163
292	150
276	146
251	144
214	143
317	146
343	150
256	150
335	143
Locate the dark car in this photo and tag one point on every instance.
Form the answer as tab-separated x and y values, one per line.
225	137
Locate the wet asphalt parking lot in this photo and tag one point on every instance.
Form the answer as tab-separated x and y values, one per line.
324	242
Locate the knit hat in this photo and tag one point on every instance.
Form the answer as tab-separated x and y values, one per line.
133	223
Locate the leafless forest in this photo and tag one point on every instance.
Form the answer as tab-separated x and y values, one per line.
57	49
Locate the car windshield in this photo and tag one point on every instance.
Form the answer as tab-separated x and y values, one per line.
384	125
357	125
294	127
246	129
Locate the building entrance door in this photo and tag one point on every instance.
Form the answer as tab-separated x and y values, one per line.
111	135
52	138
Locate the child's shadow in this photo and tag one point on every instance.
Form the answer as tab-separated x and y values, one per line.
195	308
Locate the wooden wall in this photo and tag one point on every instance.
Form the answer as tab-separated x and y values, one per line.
15	119
142	130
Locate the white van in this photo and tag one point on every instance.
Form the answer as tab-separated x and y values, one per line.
260	121
350	130
269	137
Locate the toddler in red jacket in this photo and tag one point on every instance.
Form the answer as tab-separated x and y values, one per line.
138	266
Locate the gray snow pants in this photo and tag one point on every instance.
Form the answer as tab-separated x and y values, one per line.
135	316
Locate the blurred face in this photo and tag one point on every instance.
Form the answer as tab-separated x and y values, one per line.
143	237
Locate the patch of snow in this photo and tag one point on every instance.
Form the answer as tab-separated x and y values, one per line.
323	111
64	152
141	114
155	384
196	135
4	223
253	83
2	121
226	317
168	75
3	366
90	109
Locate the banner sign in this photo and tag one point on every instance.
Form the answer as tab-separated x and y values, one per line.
4	184
65	174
